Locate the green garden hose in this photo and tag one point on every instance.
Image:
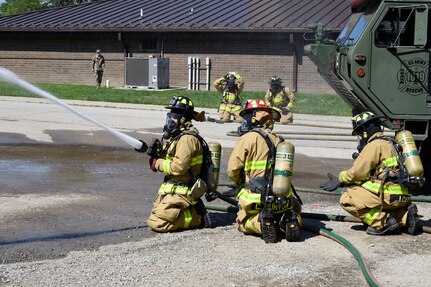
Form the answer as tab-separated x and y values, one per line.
358	256
319	216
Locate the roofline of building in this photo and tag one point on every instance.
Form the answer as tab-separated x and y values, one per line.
162	30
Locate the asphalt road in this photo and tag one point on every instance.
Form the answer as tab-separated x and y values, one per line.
74	202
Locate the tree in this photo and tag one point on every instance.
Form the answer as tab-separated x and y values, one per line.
58	3
20	6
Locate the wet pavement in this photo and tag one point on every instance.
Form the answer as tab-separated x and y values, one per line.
55	199
68	185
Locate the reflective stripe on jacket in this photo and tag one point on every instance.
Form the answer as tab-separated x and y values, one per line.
282	99
249	156
368	169
171	188
182	154
229	107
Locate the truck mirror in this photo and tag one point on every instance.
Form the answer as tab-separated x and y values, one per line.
421	26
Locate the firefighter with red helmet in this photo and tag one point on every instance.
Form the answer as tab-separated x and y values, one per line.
251	167
374	193
280	98
177	205
230	86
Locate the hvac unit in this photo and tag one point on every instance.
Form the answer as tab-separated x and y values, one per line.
151	73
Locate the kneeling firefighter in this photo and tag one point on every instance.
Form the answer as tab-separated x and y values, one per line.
182	160
378	182
261	163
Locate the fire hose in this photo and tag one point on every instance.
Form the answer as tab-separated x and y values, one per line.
324	232
15	79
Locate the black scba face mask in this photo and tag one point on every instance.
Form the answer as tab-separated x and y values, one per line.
231	85
246	124
275	87
172	125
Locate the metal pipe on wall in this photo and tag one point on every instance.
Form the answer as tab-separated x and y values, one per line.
189	63
208	68
194	68
198	67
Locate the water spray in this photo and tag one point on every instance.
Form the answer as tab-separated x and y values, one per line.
15	79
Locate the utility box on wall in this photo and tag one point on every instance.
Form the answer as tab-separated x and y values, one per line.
151	73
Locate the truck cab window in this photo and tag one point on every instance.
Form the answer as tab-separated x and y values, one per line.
396	29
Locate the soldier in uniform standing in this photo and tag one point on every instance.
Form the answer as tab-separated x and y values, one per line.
373	193
97	67
177	207
230	86
280	98
248	167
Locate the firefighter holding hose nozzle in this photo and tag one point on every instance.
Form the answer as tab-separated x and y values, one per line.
261	163
378	183
178	205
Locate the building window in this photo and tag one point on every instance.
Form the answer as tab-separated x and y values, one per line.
149	45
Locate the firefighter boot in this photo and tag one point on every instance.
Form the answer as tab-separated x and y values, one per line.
413	224
202	211
267	224
291	226
391	224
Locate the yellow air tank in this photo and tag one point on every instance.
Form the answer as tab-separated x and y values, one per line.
411	158
283	169
215	149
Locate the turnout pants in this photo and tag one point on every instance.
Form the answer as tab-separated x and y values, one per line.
372	209
173	212
228	110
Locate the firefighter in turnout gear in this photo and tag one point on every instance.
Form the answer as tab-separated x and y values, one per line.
177	207
250	167
373	193
230	86
280	98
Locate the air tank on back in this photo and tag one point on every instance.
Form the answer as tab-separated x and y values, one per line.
282	179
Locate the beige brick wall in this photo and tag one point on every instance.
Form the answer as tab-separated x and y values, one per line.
69	61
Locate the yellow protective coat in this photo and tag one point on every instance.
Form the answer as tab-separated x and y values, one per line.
283	101
231	103
248	159
366	198
174	206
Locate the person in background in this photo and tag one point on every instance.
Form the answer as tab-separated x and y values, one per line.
280	98
98	67
230	86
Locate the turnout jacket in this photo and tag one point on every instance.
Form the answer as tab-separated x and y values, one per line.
249	157
375	160
229	98
182	153
283	98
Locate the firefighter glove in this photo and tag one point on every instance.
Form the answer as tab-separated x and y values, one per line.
332	184
154	148
152	163
284	111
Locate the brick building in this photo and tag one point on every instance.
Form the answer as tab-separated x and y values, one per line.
258	39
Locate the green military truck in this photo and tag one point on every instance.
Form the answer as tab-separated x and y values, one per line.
380	62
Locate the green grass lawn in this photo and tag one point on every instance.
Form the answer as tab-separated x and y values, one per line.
324	104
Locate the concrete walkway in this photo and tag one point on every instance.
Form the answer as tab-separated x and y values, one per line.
38	121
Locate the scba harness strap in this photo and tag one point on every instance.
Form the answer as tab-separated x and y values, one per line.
263	185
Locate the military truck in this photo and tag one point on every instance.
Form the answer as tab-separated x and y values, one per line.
380	62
